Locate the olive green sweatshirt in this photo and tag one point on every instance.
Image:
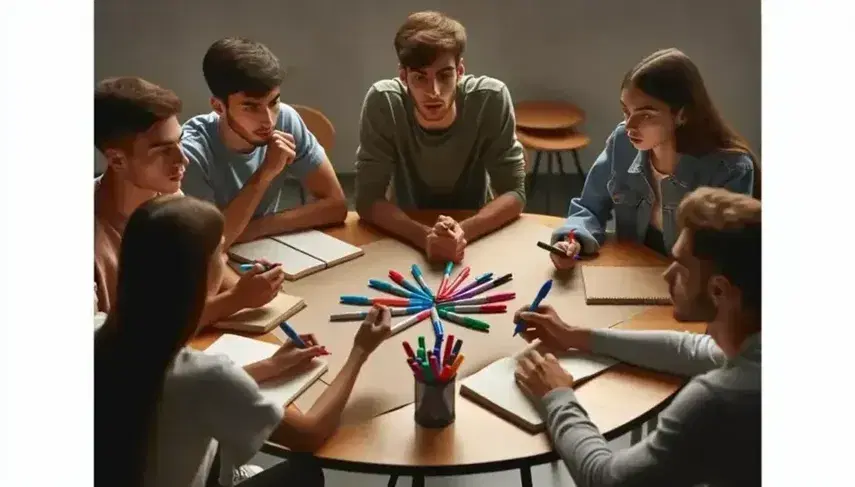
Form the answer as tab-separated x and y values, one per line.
460	168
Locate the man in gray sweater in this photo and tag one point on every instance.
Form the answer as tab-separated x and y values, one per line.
710	433
437	139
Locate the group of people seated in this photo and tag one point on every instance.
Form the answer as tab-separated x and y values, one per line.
174	197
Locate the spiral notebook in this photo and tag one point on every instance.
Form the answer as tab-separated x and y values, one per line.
243	351
625	285
495	389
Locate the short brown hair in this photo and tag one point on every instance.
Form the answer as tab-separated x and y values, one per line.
726	231
128	106
239	65
425	36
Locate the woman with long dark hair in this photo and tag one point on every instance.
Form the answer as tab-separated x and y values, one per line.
162	410
672	141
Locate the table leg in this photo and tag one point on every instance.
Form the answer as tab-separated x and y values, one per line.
393	480
651	424
525	476
635	435
418	481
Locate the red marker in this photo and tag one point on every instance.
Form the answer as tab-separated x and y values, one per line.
399	279
483	308
409	350
434	365
417	371
456	282
571	237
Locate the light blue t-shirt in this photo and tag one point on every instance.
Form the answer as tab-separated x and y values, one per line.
216	174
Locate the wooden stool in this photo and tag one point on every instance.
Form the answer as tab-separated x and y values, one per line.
552	143
323	130
550	127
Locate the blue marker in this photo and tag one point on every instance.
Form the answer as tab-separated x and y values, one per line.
292	335
544	290
361	300
437	325
249	267
417	274
388	288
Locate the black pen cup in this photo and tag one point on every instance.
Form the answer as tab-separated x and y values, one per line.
434	404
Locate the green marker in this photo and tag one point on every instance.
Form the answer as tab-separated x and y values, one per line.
426	371
465	321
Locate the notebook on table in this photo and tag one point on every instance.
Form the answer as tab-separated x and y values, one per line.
265	318
495	389
244	351
625	285
299	253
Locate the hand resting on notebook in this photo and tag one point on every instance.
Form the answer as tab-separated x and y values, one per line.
552	331
287	360
538	375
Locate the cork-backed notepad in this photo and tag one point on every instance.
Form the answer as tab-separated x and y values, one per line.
495	388
625	285
265	318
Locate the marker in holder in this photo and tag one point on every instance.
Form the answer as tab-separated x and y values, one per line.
434	404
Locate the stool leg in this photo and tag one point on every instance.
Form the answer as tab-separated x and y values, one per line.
418	481
534	172
578	165
393	480
548	182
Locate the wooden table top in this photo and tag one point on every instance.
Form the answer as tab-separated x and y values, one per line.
618	400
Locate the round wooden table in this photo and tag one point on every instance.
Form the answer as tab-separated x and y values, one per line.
618	401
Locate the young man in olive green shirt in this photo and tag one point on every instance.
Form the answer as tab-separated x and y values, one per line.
436	139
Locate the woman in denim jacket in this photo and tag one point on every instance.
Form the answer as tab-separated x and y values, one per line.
672	140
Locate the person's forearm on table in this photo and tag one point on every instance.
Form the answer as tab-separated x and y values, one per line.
492	216
238	212
392	219
325	211
312	429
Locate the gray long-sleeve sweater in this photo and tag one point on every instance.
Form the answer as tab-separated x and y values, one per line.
708	435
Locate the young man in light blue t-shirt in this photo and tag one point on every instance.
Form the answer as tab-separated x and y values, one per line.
241	153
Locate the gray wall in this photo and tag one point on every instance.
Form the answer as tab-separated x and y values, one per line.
576	50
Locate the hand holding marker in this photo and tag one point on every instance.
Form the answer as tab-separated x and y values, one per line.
295	337
544	290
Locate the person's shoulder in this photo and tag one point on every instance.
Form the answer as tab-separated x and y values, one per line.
383	98
197	135
471	84
732	160
199	368
202	125
390	86
289	119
